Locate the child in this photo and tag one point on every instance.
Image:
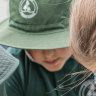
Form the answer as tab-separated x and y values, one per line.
83	36
39	31
8	64
83	32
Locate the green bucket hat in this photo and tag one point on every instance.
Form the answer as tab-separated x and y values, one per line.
36	24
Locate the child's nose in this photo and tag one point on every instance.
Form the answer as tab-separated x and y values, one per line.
49	53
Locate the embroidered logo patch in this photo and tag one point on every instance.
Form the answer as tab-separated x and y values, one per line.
28	8
88	88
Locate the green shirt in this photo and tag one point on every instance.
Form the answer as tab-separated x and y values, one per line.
31	79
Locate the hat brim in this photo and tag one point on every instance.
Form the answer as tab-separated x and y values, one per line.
14	37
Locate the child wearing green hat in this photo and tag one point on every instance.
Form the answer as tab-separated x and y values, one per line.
39	32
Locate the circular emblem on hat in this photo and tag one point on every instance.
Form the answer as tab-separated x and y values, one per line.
28	8
88	88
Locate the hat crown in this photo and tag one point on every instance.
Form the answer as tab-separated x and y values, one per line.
39	15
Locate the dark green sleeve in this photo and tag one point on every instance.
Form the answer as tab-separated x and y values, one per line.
2	90
15	84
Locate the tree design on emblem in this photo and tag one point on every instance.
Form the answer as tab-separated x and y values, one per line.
25	8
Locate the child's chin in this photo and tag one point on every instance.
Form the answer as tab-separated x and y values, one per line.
54	69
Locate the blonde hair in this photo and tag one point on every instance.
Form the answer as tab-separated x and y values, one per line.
83	31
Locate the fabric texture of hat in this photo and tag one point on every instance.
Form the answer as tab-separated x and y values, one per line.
36	24
8	64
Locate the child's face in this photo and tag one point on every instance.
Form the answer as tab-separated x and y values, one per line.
52	60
